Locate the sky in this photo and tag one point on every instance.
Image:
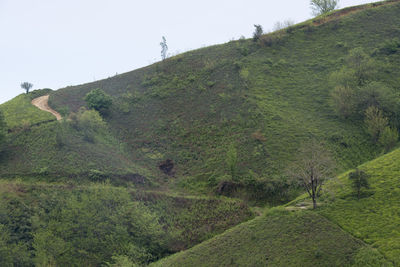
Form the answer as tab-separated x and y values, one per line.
57	43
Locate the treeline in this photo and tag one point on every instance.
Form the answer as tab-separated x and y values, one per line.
359	94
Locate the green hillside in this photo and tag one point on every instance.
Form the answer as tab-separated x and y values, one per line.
263	98
195	146
344	231
280	238
19	112
375	217
57	224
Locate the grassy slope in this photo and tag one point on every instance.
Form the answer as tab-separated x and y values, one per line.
192	107
375	218
279	238
19	112
36	151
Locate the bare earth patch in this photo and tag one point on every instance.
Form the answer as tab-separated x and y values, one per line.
42	103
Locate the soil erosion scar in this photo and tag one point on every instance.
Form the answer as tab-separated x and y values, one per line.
42	103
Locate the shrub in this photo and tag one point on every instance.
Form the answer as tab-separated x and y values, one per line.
390	46
87	121
344	101
388	138
96	175
99	100
375	122
359	180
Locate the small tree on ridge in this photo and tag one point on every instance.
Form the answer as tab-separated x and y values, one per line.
164	48
26	86
258	31
320	7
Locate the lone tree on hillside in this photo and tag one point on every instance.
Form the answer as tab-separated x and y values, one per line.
312	167
97	99
323	6
258	31
359	179
26	86
164	48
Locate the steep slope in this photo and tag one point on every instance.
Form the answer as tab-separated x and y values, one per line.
368	232
263	98
19	113
375	218
57	224
40	146
279	238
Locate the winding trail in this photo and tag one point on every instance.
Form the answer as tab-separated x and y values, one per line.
42	103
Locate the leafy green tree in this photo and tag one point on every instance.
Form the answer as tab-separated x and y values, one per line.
359	180
363	66
344	101
388	138
164	48
378	95
26	86
375	122
323	6
99	100
89	227
258	31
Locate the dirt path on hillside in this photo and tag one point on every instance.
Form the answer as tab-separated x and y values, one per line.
42	103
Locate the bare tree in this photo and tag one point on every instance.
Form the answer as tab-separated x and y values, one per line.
164	48
312	167
323	6
26	86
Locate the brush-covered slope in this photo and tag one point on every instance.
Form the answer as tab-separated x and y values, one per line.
280	238
262	98
45	224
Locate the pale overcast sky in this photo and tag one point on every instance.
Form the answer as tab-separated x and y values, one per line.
55	43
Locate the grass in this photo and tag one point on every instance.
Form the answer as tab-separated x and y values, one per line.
279	238
20	113
375	218
56	150
264	98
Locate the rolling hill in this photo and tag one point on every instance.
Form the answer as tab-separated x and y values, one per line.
195	146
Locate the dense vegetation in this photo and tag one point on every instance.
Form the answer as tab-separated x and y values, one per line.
160	159
67	225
